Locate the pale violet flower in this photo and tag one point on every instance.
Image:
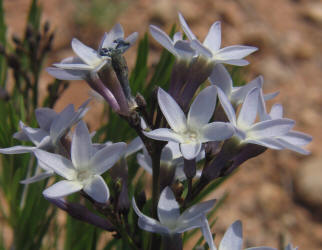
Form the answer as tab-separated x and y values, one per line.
290	247
221	78
170	221
84	170
194	130
210	48
263	133
292	140
232	239
171	157
52	127
177	46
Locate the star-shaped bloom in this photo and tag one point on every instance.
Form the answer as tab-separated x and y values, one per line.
210	48
84	170
171	157
293	140
191	131
52	127
232	239
236	95
170	221
177	46
246	130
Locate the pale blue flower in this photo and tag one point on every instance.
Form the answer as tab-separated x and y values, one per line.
232	239
85	168
170	221
211	50
264	133
293	140
191	131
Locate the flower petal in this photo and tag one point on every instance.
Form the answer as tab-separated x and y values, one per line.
206	232
105	158
135	145
45	116
171	111
202	108
297	138
17	150
248	111
145	162
293	147
233	237
197	210
226	105
234	52
216	131
164	134
36	135
62	188
186	28
168	208
58	163
221	78
131	39
235	62
272	143
97	189
190	150
87	54
240	93
276	111
184	49
81	149
37	177
161	37
63	74
213	38
74	66
148	224
201	49
270	128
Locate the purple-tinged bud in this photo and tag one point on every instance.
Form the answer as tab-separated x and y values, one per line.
167	173
81	213
190	168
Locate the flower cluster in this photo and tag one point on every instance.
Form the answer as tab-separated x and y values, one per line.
198	133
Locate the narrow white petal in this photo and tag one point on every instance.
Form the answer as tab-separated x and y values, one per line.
35	135
272	143
239	93
148	224
87	54
135	145
168	207
190	150
262	111
184	49
213	38
63	74
186	28
233	237
271	128
262	248
221	78
164	134
17	150
276	111
37	177
131	39
117	32
248	111
45	116
162	38
171	111
196	210
201	49
195	223
58	163
226	105
297	138
81	149
271	96
97	189
216	131
202	108
235	62
62	188
105	158
145	162
235	52
74	67
293	147
206	232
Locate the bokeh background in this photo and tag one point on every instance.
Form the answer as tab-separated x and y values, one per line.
278	195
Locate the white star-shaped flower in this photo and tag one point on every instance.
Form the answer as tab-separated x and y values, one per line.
292	140
221	78
232	239
262	133
210	48
191	131
170	221
85	168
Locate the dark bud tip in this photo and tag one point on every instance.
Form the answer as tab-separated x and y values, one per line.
140	100
29	32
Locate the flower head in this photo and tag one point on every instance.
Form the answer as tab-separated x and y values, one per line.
191	131
84	169
170	220
210	48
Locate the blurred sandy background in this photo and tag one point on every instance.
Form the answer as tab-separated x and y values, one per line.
279	194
